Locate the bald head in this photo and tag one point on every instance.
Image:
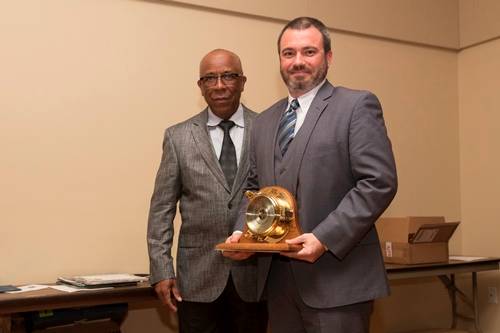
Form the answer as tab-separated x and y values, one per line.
221	56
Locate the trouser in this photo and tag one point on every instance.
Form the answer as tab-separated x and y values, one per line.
227	314
289	314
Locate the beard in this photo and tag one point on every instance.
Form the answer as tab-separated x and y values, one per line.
305	82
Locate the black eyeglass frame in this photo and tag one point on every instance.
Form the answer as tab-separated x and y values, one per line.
228	78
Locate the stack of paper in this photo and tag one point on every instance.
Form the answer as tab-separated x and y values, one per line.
102	280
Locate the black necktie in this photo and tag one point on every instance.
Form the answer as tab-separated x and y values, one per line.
227	157
287	126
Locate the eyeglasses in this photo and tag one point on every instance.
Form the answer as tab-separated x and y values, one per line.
226	78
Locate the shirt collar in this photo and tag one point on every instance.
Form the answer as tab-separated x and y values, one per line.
306	99
237	118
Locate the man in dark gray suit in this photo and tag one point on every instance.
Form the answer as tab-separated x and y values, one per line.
203	168
329	147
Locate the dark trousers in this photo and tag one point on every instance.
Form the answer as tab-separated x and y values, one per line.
289	314
227	314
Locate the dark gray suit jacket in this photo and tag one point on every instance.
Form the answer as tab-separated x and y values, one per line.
190	174
341	170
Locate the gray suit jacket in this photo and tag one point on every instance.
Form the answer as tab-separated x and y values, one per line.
341	169
190	174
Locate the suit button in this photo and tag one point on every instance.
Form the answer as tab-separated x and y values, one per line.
229	205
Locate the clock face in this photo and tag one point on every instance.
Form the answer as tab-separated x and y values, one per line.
262	215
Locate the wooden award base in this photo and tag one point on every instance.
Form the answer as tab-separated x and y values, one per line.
248	243
258	247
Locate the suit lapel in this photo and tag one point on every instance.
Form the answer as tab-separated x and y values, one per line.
317	107
243	162
205	147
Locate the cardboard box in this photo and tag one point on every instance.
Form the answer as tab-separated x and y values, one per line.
415	240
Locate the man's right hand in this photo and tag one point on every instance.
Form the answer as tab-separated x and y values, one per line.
236	255
168	293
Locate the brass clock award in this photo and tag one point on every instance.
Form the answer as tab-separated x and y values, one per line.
271	218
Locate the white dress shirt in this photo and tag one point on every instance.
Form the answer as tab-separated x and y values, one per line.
304	104
236	132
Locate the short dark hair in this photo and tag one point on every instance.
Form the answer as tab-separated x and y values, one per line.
304	22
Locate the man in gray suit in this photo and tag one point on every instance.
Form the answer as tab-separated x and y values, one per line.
203	168
329	147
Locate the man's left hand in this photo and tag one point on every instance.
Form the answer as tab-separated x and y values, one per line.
236	255
311	250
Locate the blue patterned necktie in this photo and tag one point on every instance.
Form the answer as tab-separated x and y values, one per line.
227	157
287	126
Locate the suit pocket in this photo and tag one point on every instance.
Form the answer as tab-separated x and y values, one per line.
189	246
323	152
190	256
325	149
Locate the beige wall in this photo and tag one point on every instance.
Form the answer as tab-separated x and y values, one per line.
88	86
425	21
480	161
478	86
479	21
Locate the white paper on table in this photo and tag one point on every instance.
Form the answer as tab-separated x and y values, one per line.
465	258
29	287
72	289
